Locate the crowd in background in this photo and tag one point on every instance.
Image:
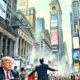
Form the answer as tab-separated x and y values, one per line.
37	73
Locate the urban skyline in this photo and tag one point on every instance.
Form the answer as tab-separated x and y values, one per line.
43	10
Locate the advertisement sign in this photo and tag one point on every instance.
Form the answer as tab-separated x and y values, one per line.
75	42
2	9
54	37
54	21
76	66
75	55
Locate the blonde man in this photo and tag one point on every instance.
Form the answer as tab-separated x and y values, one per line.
6	72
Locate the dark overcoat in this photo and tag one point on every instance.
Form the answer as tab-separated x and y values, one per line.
42	71
12	74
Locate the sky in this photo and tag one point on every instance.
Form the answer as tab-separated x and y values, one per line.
42	10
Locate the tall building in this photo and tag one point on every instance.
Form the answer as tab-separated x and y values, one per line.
7	36
30	13
10	6
40	24
56	28
75	14
75	37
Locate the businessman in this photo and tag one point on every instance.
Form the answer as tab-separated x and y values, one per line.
42	70
6	72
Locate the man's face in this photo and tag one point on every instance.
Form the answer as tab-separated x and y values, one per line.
7	65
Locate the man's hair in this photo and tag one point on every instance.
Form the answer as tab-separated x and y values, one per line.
15	67
6	58
41	60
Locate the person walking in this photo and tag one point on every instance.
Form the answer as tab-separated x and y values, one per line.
16	72
42	70
22	74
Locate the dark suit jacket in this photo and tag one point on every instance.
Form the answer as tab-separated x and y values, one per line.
2	74
42	71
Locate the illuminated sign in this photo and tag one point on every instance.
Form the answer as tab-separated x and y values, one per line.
54	37
54	21
75	42
75	55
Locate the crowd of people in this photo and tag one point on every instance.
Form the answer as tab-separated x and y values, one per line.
7	73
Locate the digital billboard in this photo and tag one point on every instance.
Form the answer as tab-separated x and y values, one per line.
54	21
75	55
54	37
2	9
75	42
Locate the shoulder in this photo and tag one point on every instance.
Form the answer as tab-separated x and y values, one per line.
45	64
12	71
1	69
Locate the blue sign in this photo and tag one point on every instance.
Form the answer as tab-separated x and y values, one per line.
75	55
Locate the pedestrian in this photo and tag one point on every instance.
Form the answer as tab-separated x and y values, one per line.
22	74
72	76
6	72
42	70
16	71
79	77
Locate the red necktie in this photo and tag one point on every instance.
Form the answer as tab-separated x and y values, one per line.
7	76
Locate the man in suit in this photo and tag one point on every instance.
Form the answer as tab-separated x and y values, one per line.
42	70
16	71
6	72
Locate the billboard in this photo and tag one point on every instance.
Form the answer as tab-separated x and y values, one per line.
75	55
54	22
54	37
75	42
2	9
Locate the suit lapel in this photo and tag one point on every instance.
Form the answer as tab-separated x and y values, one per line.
3	74
11	75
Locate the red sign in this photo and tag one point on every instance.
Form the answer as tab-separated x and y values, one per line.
54	37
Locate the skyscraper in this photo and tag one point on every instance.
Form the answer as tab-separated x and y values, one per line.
40	24
10	10
75	14
56	28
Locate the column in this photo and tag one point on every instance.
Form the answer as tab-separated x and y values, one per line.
25	50
10	48
1	44
20	47
6	44
16	47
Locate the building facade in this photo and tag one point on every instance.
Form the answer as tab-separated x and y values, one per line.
75	14
7	41
75	35
40	25
42	45
56	31
10	10
30	13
